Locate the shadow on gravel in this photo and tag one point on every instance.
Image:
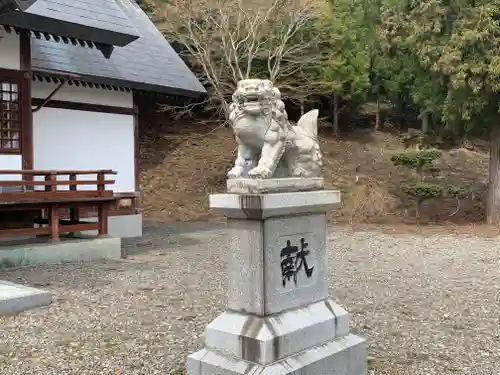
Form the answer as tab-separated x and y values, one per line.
167	236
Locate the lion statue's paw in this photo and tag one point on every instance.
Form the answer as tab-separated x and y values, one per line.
235	172
260	172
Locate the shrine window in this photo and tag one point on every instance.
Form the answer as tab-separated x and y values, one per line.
10	116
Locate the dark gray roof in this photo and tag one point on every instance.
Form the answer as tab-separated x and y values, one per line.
149	63
100	21
10	5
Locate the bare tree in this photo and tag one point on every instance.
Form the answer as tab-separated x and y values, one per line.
225	41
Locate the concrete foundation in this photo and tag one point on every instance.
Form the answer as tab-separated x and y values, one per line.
123	226
67	250
345	356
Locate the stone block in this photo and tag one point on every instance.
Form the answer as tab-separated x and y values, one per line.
261	252
263	206
274	185
264	340
245	266
16	298
284	240
343	356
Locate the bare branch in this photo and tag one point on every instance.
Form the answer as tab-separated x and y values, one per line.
229	40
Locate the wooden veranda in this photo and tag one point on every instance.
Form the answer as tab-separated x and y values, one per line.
34	202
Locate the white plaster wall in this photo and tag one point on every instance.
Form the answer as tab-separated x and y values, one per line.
83	94
14	162
71	139
68	139
9	50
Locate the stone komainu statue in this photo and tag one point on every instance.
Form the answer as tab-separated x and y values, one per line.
268	145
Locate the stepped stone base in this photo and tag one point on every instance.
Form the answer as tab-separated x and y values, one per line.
343	356
313	339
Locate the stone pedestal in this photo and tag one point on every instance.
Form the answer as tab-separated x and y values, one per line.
279	318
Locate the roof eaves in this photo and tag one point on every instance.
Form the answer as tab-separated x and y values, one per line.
105	49
62	28
111	83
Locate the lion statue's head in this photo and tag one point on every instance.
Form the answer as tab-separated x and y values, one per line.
256	98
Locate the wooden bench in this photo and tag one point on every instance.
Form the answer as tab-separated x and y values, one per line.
43	200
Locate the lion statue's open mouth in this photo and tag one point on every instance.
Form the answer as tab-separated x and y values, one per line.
251	104
253	97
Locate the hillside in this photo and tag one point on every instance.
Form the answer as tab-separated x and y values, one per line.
181	166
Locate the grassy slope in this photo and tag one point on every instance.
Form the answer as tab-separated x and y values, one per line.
181	167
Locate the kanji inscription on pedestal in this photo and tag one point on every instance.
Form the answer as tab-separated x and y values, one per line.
294	263
294	259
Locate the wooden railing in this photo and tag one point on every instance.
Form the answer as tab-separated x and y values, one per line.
28	184
51	194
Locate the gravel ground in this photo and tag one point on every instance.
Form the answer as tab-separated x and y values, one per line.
427	305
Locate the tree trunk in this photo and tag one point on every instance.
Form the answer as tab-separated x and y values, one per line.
425	122
399	112
418	207
377	114
225	110
335	114
493	204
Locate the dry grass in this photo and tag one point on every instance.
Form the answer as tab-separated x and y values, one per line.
181	167
368	200
176	187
